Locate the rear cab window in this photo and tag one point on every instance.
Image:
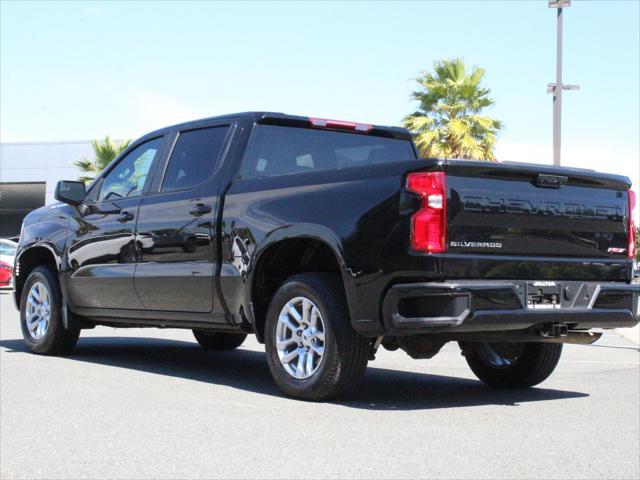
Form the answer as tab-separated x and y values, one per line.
282	150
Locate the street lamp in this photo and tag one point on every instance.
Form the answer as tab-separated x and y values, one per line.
558	87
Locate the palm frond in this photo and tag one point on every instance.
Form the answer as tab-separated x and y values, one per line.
448	121
105	152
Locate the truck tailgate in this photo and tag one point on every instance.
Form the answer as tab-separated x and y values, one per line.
532	210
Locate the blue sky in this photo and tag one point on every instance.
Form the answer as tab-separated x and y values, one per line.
82	70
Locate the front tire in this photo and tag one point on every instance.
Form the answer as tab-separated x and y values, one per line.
219	340
512	365
312	351
41	315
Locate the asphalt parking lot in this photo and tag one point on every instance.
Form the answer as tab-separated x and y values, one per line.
145	403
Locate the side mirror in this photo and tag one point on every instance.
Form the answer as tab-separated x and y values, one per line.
71	192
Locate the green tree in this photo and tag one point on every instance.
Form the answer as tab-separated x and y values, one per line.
449	121
104	152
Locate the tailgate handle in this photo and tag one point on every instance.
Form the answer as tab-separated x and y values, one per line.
551	181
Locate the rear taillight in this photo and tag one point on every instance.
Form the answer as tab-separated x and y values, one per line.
429	224
631	249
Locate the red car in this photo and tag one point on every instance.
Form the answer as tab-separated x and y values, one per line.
6	271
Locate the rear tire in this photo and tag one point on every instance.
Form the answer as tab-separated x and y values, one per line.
321	331
41	315
514	365
219	340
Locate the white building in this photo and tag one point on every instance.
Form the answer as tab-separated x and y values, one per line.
29	172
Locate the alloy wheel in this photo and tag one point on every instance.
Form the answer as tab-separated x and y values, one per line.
300	338
38	310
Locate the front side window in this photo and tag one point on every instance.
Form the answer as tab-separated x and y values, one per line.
195	158
278	150
128	177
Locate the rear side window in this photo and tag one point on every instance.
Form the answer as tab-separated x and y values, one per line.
277	150
195	158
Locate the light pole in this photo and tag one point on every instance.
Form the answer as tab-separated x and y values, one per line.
556	88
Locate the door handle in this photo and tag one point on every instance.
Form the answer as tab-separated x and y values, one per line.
125	217
551	181
200	209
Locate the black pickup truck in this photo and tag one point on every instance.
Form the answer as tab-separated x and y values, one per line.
328	239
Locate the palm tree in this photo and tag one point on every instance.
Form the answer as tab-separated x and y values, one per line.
448	122
104	152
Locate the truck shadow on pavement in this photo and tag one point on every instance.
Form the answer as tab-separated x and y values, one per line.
381	389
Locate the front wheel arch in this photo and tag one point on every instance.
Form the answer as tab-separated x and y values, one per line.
57	339
29	259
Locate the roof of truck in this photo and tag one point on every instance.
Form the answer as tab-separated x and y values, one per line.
277	118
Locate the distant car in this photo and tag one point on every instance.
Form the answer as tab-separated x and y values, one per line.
6	272
8	251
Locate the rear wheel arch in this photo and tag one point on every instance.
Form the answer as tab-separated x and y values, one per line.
294	345
286	257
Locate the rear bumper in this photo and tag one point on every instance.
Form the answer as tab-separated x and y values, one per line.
484	306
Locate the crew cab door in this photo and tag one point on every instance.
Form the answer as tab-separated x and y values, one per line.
176	230
102	252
